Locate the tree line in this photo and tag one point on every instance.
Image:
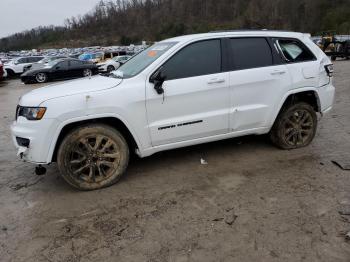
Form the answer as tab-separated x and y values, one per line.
130	21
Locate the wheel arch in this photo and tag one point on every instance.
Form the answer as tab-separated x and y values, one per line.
307	95
112	121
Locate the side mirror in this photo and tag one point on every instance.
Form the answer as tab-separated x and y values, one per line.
158	79
57	67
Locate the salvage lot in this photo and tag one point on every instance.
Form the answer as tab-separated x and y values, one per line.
251	202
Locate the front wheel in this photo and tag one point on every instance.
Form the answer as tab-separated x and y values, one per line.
41	78
93	157
110	68
295	127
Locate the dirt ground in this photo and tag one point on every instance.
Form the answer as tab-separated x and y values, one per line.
252	202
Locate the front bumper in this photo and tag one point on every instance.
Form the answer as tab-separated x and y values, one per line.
40	135
27	79
102	68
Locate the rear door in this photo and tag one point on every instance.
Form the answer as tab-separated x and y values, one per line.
196	100
258	80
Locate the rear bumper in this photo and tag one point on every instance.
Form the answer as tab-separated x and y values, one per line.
326	95
40	135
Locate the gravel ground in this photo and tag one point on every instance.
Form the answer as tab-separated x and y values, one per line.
251	202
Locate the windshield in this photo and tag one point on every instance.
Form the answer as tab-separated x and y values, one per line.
142	60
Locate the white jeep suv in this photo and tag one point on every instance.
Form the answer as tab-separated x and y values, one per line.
179	92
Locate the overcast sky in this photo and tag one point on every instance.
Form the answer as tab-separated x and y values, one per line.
19	15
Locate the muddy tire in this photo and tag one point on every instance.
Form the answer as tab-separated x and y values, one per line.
295	126
92	157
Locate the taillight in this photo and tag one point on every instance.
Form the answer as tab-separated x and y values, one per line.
329	69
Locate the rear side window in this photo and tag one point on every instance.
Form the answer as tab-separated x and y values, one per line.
250	53
201	58
74	63
294	51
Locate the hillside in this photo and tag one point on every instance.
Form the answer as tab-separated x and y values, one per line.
126	21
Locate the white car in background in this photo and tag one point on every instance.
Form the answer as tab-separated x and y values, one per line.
16	66
112	64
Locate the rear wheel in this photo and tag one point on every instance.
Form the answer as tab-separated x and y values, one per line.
295	127
41	77
87	72
93	157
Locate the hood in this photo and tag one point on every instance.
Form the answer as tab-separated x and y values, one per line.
36	69
80	86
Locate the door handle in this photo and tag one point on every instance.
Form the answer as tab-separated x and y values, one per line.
278	72
216	81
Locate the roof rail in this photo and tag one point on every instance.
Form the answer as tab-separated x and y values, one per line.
245	30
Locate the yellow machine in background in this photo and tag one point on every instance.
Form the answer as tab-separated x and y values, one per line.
335	46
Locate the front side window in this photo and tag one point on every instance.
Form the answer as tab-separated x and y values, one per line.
62	65
22	61
294	51
250	53
201	58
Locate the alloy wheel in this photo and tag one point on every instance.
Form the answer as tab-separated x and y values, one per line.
94	158
298	127
87	73
40	77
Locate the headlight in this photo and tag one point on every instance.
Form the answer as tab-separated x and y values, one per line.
31	113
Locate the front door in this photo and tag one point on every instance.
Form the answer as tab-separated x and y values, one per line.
196	100
60	70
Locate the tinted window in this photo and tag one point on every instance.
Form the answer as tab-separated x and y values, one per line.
201	58
34	59
294	51
22	61
62	65
74	63
250	53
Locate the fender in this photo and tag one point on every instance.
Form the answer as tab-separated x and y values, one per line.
292	92
83	118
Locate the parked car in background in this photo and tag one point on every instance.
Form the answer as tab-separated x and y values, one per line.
179	92
107	55
91	57
60	69
122	59
16	66
43	62
112	64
